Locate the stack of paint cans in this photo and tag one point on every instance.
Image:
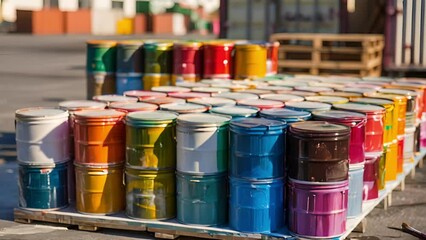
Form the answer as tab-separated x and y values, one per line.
42	144
356	122
202	165
187	62
158	61
99	140
72	107
218	61
129	66
100	67
318	178
256	173
150	165
272	58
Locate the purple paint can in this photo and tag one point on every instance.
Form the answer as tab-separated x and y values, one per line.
317	210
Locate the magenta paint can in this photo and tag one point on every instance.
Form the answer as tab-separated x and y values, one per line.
356	121
317	210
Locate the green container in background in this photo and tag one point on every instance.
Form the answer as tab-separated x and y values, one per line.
158	57
101	56
130	57
150	140
143	7
202	199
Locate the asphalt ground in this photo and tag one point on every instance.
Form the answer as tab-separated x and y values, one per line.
44	70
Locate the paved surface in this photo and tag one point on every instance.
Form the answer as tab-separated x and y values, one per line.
42	71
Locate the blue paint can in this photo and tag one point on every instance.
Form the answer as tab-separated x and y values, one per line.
257	148
356	186
127	82
256	206
201	199
43	187
289	116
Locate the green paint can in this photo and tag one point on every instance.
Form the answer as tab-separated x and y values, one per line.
101	56
202	199
150	140
158	57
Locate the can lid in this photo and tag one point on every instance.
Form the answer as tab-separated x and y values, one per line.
213	101
202	119
358	90
163	100
215	81
364	85
257	124
313	89
40	113
101	43
236	95
338	115
365	108
376	101
158	45
169	89
184	107
394	97
75	105
261	103
308	106
210	90
188	44
327	99
378	79
258	92
156	117
249	46
288	115
144	94
283	97
303	93
313	127
114	98
328	85
125	43
288	83
274	88
191	84
341	94
106	113
399	92
188	95
134	106
235	111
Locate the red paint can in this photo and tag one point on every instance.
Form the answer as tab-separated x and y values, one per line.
218	60
272	58
187	59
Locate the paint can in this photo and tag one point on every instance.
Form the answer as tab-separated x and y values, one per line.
409	145
202	143
163	100
150	140
374	127
423	132
99	137
275	89
43	187
158	58
110	98
218	60
287	115
170	89
201	199
256	206
283	97
319	151
317	210
144	94
42	136
130	57
236	96
187	61
261	103
372	176
235	111
356	187
210	90
101	56
212	102
190	84
342	94
188	95
314	89
356	121
150	194
308	106
133	106
250	61
392	165
272	58
184	108
99	189
127	82
257	148
100	83
327	99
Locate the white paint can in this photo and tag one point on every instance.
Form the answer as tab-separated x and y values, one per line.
409	144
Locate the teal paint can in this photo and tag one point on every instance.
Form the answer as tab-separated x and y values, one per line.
202	199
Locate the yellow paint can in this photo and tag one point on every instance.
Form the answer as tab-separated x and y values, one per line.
250	61
155	80
99	189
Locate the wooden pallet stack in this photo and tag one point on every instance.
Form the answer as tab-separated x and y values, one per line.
330	54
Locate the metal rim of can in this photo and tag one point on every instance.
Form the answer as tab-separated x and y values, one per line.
202	120
76	105
139	118
365	108
40	113
184	107
101	43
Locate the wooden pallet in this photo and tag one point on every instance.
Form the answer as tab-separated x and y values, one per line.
169	229
330	54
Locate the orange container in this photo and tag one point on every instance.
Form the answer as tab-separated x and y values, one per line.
99	137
